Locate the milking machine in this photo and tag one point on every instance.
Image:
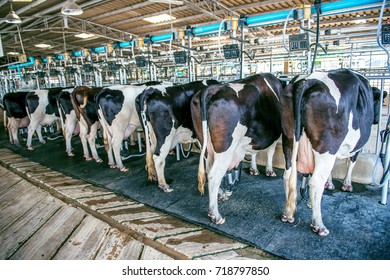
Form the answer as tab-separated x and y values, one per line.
383	38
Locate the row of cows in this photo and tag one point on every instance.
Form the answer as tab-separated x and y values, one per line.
320	117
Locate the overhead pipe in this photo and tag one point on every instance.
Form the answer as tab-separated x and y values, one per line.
326	8
30	62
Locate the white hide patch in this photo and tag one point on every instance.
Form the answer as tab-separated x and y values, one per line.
268	84
239	147
236	87
334	91
350	141
178	135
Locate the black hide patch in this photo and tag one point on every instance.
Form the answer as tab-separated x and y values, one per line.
111	102
15	104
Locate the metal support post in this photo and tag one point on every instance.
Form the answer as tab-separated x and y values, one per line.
242	53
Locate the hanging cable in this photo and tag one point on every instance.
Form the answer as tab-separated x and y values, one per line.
20	38
317	5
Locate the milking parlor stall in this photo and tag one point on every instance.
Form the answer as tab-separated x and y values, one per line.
195	130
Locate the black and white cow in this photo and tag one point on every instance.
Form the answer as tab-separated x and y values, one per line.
326	115
42	108
84	105
231	120
119	118
15	114
69	121
167	121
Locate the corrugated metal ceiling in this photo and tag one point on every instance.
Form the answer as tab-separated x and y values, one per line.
42	21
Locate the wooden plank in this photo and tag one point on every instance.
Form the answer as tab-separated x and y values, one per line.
130	212
69	182
200	243
161	226
48	239
14	193
106	201
12	212
3	171
15	235
119	246
82	192
85	241
248	253
8	157
4	151
150	253
12	160
8	180
25	166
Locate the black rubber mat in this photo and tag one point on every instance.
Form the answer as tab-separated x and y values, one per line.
358	224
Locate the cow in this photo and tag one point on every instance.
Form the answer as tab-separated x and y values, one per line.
326	115
167	121
42	108
231	120
84	105
69	122
16	114
119	118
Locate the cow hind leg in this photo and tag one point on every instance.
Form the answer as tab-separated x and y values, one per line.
116	148
323	167
39	133
269	171
329	183
159	162
92	143
215	175
253	169
83	139
347	184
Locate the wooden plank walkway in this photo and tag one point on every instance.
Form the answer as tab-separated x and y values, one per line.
47	215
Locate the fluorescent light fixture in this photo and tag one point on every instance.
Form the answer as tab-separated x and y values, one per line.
70	8
12	17
159	18
43	46
174	2
13	53
360	21
85	35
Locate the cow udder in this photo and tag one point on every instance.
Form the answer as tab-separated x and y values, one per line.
305	162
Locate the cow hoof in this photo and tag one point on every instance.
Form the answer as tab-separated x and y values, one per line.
43	142
225	196
287	219
70	154
112	166
347	188
220	221
87	158
124	169
329	186
320	231
270	173
30	148
98	160
165	188
254	172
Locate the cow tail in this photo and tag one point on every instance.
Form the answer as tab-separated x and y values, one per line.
206	94
61	113
141	108
5	115
298	92
291	181
5	121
